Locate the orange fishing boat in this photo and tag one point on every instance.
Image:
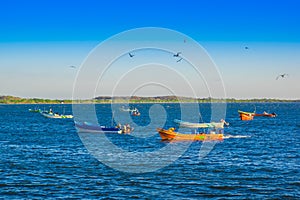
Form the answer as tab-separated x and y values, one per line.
245	116
170	134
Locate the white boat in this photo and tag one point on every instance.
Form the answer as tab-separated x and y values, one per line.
124	109
55	115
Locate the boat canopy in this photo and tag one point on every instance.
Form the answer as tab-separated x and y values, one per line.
199	125
246	113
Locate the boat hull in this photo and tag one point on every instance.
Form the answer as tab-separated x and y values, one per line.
246	116
84	127
56	116
171	135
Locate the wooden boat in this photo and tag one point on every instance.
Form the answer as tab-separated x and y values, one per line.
170	134
251	115
94	128
246	115
55	115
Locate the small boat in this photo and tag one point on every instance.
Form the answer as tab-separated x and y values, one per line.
135	113
55	115
170	134
250	115
34	110
246	116
124	109
214	131
95	128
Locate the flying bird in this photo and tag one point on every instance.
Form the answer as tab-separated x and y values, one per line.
177	54
72	66
281	76
131	55
179	60
246	48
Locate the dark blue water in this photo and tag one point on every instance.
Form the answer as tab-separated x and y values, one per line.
45	158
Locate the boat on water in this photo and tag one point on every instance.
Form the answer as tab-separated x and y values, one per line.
135	113
95	128
246	116
132	111
250	115
55	115
125	109
170	134
34	110
214	131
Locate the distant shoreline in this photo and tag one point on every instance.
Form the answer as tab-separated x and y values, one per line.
7	100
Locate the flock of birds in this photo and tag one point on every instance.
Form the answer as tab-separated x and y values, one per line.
177	55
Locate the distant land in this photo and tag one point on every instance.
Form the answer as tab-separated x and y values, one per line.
134	99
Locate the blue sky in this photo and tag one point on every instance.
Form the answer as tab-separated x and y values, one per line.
250	20
40	39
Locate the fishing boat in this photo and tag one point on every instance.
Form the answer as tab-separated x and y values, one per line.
55	115
124	109
34	110
214	131
95	128
170	134
135	113
246	116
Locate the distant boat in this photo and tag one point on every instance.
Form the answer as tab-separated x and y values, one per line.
124	109
55	115
95	128
135	113
250	115
246	116
34	110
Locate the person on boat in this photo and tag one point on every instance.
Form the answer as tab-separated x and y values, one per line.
223	121
50	111
128	128
171	129
118	125
124	129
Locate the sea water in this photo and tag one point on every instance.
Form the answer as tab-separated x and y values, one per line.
46	158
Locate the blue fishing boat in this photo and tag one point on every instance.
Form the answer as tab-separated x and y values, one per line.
95	128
